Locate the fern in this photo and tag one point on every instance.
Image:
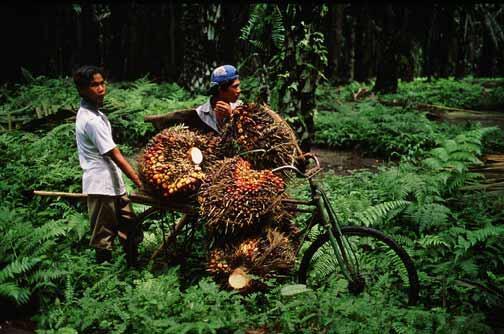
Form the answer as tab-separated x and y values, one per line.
324	262
69	291
482	235
452	160
431	241
379	213
19	266
12	291
9	282
43	278
26	249
469	268
403	240
429	216
265	24
38	98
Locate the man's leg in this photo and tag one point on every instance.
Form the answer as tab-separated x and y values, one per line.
103	219
129	229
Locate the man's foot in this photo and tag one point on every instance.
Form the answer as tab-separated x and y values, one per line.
103	255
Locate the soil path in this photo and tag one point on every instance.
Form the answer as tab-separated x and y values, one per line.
17	327
342	162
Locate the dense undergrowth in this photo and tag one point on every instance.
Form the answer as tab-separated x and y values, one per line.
454	236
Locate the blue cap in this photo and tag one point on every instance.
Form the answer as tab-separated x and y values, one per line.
223	73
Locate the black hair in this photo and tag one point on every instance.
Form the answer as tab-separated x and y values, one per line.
214	90
84	75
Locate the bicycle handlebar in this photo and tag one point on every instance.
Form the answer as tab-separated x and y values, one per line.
309	174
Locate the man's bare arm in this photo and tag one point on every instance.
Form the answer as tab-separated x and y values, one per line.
116	155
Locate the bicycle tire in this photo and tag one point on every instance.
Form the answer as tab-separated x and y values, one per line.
410	290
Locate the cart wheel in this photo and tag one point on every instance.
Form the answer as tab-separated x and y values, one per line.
384	267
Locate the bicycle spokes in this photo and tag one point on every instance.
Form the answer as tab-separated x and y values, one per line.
384	269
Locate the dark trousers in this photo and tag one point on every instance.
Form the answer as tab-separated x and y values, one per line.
112	216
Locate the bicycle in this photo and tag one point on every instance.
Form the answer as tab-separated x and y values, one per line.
354	248
364	257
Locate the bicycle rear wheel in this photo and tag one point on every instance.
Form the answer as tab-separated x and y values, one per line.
384	267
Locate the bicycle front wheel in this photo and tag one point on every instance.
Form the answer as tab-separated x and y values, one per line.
383	267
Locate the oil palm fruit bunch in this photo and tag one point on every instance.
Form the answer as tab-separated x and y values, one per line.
253	127
235	196
166	167
263	256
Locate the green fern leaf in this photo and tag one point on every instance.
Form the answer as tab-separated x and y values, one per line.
12	291
378	213
430	241
17	267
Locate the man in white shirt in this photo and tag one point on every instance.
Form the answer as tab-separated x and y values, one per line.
101	160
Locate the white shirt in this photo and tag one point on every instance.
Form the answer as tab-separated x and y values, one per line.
207	114
94	138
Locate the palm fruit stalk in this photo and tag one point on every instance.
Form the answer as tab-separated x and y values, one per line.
254	259
254	127
235	197
165	166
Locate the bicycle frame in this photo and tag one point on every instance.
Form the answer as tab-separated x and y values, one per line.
323	214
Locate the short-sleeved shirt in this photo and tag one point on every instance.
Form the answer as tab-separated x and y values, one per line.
207	114
93	133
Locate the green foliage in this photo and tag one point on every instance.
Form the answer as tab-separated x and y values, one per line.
330	98
40	97
39	161
147	304
454	237
264	29
466	94
452	160
379	213
388	131
30	253
296	86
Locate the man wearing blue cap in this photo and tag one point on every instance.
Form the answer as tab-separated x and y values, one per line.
212	115
224	90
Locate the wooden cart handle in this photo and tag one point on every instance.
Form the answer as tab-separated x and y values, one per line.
59	194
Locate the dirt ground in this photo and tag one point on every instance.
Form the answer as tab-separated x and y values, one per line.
343	162
17	327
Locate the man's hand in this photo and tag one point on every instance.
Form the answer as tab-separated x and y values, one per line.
116	155
223	108
138	184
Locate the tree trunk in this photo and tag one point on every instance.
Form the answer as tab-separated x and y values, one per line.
364	55
115	56
487	61
431	37
171	70
447	48
386	78
334	40
405	45
460	66
347	68
90	45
